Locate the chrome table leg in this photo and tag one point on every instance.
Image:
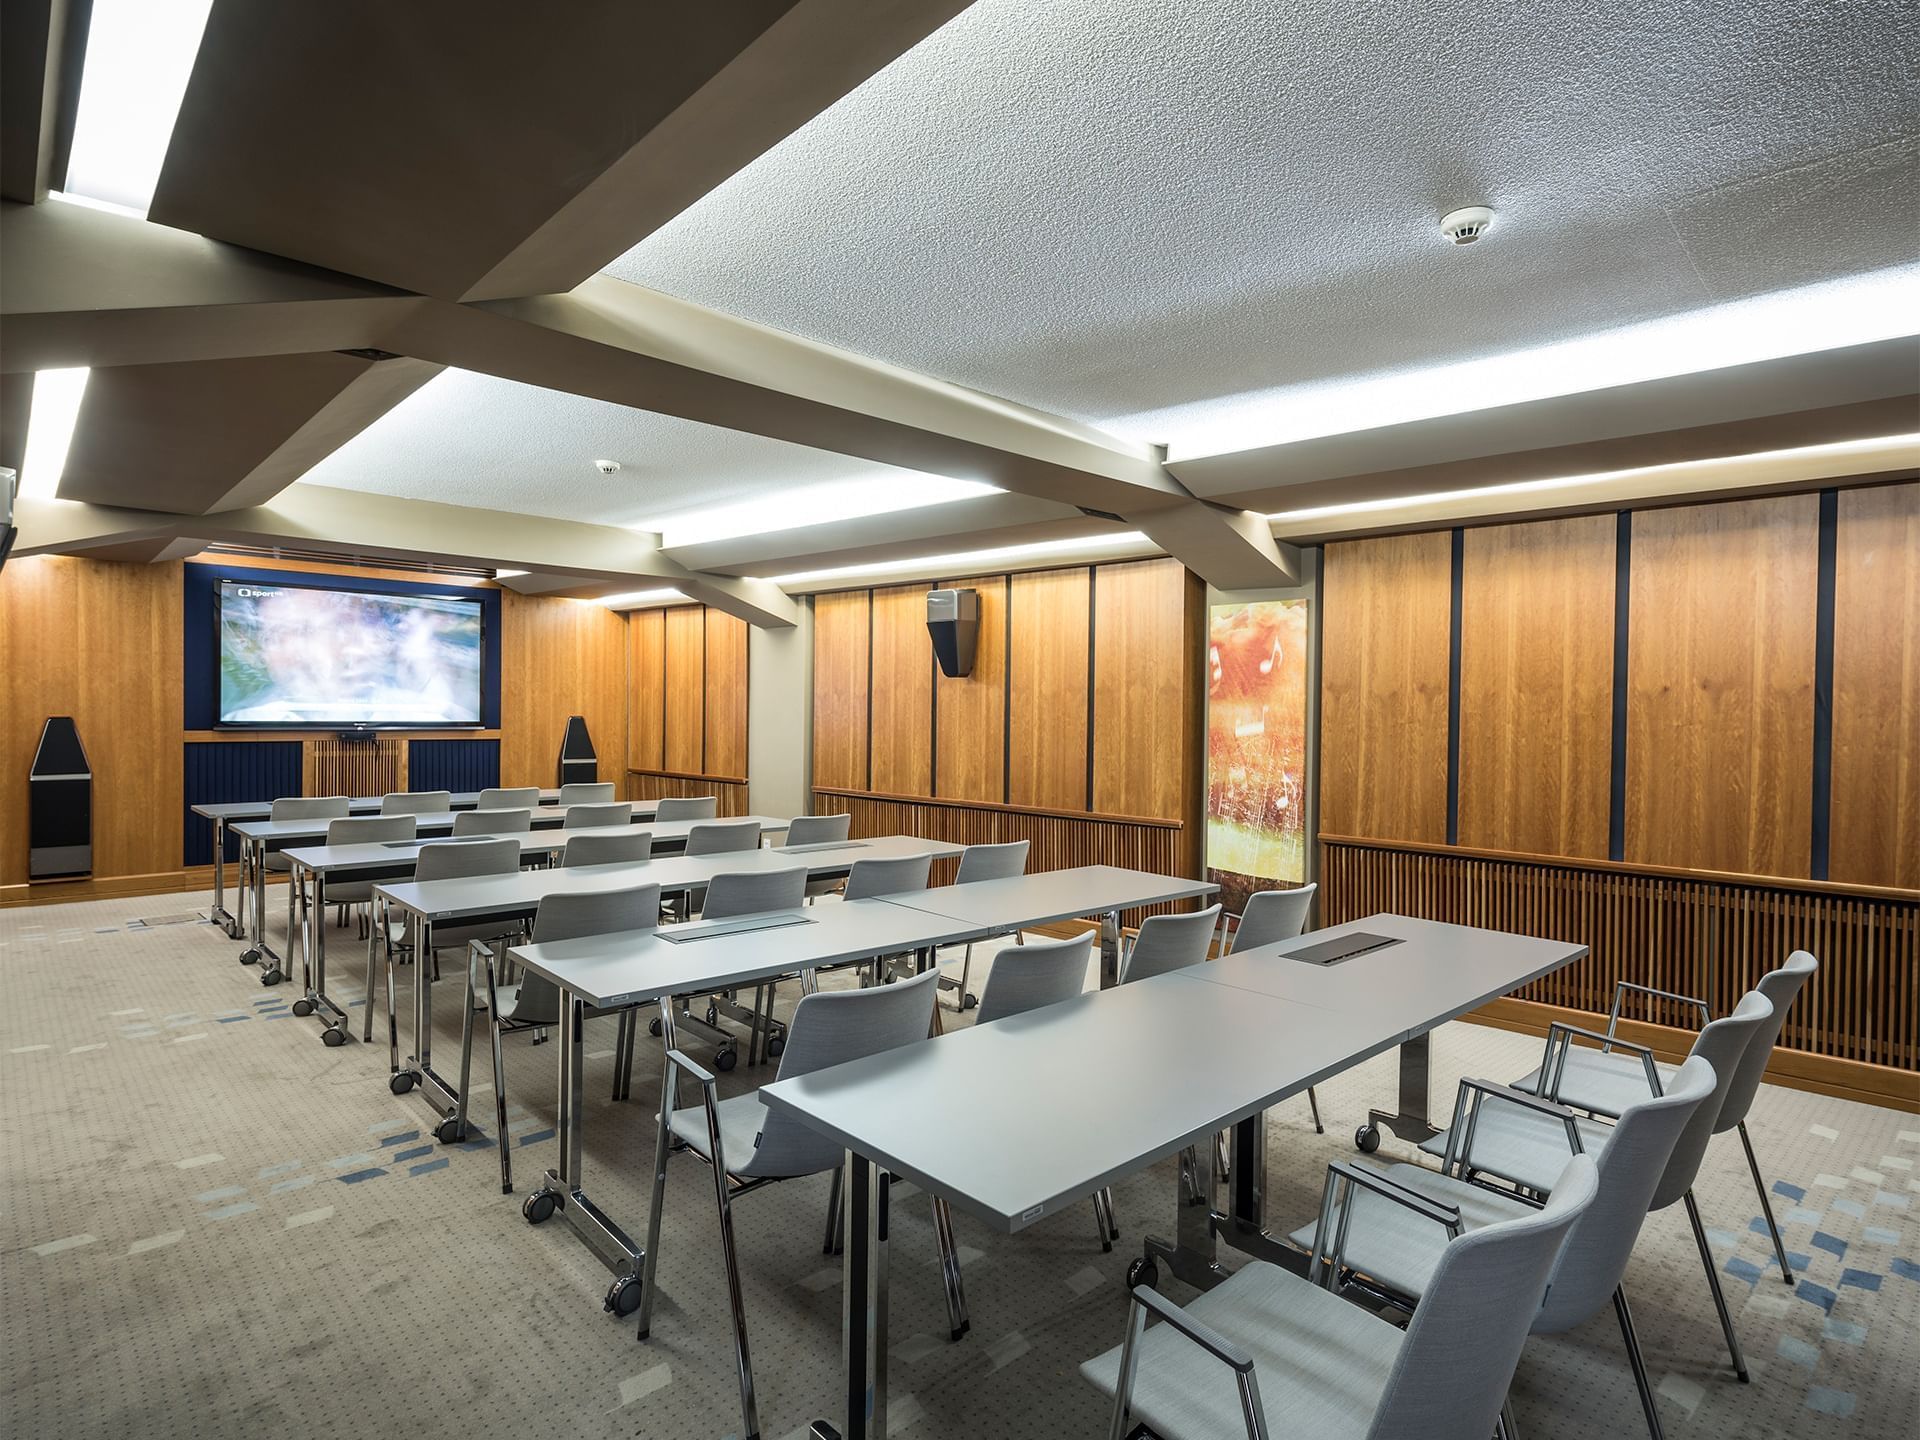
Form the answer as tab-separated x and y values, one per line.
863	1307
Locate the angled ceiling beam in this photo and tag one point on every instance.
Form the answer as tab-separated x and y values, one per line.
1229	549
42	47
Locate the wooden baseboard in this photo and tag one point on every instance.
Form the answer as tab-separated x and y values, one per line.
113	887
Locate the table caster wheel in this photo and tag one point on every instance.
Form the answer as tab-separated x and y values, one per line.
271	977
333	1039
653	1026
1367	1139
250	956
303	1006
1142	1271
447	1132
400	1084
969	1002
776	1047
623	1296
725	1060
537	1207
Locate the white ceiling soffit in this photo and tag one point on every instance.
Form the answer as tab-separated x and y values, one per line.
471	439
1130	213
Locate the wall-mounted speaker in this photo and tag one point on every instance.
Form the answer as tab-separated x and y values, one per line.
953	620
59	805
578	764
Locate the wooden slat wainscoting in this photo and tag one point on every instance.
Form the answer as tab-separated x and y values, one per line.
356	767
1056	839
1854	1031
729	790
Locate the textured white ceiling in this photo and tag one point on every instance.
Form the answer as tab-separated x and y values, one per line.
469	439
1123	211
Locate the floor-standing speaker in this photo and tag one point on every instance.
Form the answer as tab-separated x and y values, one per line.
578	764
59	805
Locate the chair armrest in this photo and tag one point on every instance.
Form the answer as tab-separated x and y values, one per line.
1324	1264
1561	1033
1199	1332
1392	1190
1621	987
1461	1132
698	1072
709	1099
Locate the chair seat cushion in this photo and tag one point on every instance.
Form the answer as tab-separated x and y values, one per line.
1321	1362
1605	1084
741	1117
1522	1146
1399	1248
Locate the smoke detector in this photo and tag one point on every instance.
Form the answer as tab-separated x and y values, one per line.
1465	226
607	467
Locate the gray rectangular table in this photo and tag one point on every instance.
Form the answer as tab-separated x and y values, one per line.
978	1118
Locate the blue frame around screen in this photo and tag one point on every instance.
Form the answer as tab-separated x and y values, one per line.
200	663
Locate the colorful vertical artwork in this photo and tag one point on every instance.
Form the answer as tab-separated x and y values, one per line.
1256	747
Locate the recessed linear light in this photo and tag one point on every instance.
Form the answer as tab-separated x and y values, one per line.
67	197
507	574
140	55
815	505
966	561
634	598
56	406
1858	310
1834	450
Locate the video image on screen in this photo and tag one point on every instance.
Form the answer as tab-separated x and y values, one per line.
292	655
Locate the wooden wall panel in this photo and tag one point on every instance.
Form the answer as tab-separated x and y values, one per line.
1386	611
841	667
1720	686
560	658
726	694
1048	670
647	669
902	743
1536	686
1875	820
686	682
101	642
1142	690
970	750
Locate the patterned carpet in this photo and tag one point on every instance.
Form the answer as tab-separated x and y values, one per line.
214	1226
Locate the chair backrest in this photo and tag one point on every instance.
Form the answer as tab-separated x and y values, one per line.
753	892
1721	1044
687	807
447	861
1782	987
1630	1164
991	862
371	829
894	875
1041	972
832	1027
309	807
492	822
635	844
1170	942
520	797
723	837
569	917
586	792
1451	1376
416	802
818	829
582	817
1272	916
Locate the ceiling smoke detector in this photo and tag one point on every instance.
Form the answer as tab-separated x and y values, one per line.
1465	226
607	467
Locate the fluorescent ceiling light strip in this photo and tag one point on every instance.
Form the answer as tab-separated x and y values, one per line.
507	574
641	597
969	560
1598	477
140	55
56	406
1857	310
815	505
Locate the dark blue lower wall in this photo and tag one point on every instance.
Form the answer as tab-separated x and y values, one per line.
228	770
454	765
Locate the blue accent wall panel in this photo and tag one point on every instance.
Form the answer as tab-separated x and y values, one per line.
229	770
454	765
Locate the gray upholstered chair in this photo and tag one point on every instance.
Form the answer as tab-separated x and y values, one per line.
535	1001
983	862
1389	1249
818	829
303	807
586	792
447	860
416	802
748	892
687	807
351	890
629	848
1723	1044
723	837
1269	917
1266	1353
492	822
890	875
518	797
748	1146
1169	942
587	815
